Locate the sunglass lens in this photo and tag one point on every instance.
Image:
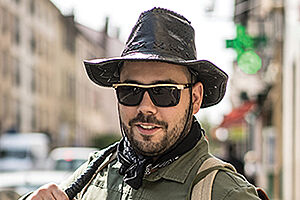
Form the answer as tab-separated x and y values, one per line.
129	95
165	96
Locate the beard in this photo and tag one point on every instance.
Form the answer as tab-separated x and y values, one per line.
169	138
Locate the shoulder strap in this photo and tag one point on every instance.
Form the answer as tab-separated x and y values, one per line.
203	182
261	193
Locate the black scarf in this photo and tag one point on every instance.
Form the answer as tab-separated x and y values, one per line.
134	165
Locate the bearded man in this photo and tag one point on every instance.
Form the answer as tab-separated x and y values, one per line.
163	154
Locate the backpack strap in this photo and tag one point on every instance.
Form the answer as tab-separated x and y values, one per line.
203	183
262	194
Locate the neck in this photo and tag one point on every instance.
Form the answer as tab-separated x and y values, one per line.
134	166
184	134
188	142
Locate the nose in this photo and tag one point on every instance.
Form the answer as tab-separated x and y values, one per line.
146	106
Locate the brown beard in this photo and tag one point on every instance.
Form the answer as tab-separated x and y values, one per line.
148	148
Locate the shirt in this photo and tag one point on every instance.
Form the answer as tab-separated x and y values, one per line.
170	182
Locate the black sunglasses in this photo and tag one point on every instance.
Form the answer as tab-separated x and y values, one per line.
162	95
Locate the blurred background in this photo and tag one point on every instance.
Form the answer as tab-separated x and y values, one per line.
52	116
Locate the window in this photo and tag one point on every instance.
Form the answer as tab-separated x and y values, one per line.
33	80
32	7
69	35
33	43
70	86
17	77
5	63
33	118
39	86
6	105
5	22
18	115
40	46
16	31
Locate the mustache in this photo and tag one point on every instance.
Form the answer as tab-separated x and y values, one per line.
148	119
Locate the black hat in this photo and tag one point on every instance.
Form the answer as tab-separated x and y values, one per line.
165	36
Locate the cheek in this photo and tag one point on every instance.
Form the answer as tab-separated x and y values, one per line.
185	97
127	113
172	115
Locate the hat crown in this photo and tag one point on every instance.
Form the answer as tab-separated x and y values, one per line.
162	33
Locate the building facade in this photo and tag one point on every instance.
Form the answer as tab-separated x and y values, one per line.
259	141
43	85
91	99
291	101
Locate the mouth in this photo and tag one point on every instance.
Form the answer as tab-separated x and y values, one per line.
148	129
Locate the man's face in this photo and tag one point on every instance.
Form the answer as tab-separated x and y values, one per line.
150	129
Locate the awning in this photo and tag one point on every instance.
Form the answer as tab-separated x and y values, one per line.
237	115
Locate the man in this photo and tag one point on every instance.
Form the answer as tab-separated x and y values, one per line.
160	85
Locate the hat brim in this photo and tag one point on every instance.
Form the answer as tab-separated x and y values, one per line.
105	72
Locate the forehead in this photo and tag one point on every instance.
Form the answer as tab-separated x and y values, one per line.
149	72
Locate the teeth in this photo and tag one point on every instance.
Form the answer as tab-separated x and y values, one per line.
147	127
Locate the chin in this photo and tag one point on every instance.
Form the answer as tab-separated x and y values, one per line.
148	148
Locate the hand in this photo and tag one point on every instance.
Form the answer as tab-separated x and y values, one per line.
47	192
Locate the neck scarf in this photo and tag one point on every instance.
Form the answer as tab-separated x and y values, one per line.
135	166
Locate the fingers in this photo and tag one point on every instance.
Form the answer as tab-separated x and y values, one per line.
48	192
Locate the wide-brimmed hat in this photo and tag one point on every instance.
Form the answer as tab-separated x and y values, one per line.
165	36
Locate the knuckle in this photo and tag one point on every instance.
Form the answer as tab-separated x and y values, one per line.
43	192
52	186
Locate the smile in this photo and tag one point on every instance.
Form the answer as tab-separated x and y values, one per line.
147	129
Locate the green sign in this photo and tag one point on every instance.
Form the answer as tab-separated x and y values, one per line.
247	59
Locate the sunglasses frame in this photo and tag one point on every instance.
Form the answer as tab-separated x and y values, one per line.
177	86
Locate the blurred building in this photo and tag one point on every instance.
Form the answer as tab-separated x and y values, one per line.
291	101
96	107
43	84
254	126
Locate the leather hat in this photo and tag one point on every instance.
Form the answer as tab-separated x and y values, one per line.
165	36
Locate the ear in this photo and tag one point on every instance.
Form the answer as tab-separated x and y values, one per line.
197	92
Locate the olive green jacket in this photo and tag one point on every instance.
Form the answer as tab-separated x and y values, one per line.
171	182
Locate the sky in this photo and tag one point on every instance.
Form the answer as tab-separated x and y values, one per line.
211	19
